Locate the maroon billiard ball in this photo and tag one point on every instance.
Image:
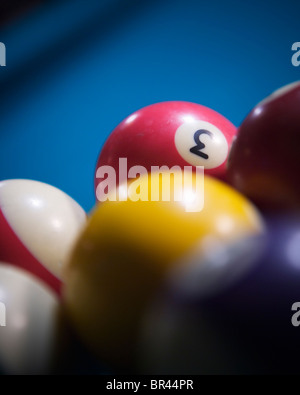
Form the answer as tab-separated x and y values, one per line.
264	163
169	134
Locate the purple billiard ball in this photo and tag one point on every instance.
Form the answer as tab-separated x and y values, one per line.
235	312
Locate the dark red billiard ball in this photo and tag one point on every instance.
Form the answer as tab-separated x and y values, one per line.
168	134
264	163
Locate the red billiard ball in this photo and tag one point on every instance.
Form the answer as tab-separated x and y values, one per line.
168	134
264	163
38	225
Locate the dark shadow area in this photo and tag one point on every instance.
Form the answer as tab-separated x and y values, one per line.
10	9
116	16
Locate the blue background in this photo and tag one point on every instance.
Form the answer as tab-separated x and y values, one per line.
76	68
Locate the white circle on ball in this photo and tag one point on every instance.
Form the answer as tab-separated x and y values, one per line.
201	143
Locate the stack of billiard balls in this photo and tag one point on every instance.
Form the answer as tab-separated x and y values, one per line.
189	263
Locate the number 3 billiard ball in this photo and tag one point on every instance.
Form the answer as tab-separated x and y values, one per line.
169	134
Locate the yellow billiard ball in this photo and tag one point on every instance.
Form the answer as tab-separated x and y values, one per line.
129	247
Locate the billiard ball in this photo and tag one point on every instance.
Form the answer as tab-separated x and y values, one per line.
38	225
235	312
167	134
129	246
264	161
28	323
35	335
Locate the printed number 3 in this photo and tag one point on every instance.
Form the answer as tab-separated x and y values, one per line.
200	146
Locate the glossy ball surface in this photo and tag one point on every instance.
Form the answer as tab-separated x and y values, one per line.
168	134
38	226
29	322
264	163
235	312
128	248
